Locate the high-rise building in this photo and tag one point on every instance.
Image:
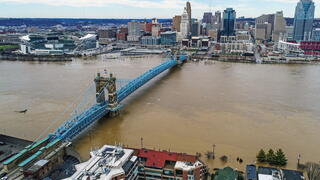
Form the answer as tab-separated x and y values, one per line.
279	26
155	27
229	18
188	6
185	26
217	16
316	34
176	22
134	28
264	26
207	18
303	20
195	29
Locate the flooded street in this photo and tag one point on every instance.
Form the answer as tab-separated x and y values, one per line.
240	108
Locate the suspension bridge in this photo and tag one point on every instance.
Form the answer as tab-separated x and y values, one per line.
49	148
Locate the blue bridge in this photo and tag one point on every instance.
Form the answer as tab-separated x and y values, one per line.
78	123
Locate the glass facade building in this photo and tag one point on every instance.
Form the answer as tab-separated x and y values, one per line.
303	20
229	19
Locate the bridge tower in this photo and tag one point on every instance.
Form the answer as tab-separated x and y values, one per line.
109	83
100	84
113	104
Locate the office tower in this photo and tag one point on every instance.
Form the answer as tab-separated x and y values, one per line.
207	18
134	28
229	18
188	6
264	26
176	22
303	20
279	26
185	27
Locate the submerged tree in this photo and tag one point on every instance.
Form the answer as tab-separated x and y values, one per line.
261	157
313	170
280	158
270	157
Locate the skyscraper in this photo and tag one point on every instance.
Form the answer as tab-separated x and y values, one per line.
303	20
279	26
207	18
176	21
229	18
185	24
188	6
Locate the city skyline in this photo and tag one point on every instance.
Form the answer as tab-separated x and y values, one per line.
140	9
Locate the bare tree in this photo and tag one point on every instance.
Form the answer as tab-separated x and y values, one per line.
313	170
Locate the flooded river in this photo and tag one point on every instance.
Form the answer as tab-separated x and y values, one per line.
238	107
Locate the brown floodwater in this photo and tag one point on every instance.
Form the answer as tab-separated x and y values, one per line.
240	108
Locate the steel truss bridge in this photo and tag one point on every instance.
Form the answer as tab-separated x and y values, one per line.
99	108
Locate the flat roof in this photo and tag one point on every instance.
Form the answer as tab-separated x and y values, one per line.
157	158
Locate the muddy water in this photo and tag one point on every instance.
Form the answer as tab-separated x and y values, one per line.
238	107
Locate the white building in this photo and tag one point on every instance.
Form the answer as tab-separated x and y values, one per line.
109	162
184	26
134	31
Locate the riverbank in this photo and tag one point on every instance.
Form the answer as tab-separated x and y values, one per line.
30	57
240	59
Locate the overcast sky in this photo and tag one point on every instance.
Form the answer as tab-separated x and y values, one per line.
140	8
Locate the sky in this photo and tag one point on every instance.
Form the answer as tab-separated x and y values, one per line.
140	8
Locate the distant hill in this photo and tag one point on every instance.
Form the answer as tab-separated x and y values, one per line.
66	21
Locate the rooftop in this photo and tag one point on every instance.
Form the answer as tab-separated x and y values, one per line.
158	158
105	163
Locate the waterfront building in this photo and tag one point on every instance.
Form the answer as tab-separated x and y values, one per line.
279	26
303	20
122	34
168	38
228	23
134	31
310	47
207	18
289	47
107	35
155	27
265	173
184	26
150	40
236	47
176	23
169	165
316	34
109	162
243	36
147	27
48	44
251	172
226	173
87	42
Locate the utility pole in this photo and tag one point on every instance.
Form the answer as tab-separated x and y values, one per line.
141	141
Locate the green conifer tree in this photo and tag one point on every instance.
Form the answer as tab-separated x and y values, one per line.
261	157
280	158
270	157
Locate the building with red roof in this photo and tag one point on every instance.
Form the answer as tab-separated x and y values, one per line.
167	165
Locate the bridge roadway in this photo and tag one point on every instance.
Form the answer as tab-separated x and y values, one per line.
73	127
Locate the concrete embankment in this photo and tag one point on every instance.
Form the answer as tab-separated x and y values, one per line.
22	57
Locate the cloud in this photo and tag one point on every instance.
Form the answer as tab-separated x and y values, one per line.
167	4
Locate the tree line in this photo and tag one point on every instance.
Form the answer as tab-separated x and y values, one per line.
277	158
